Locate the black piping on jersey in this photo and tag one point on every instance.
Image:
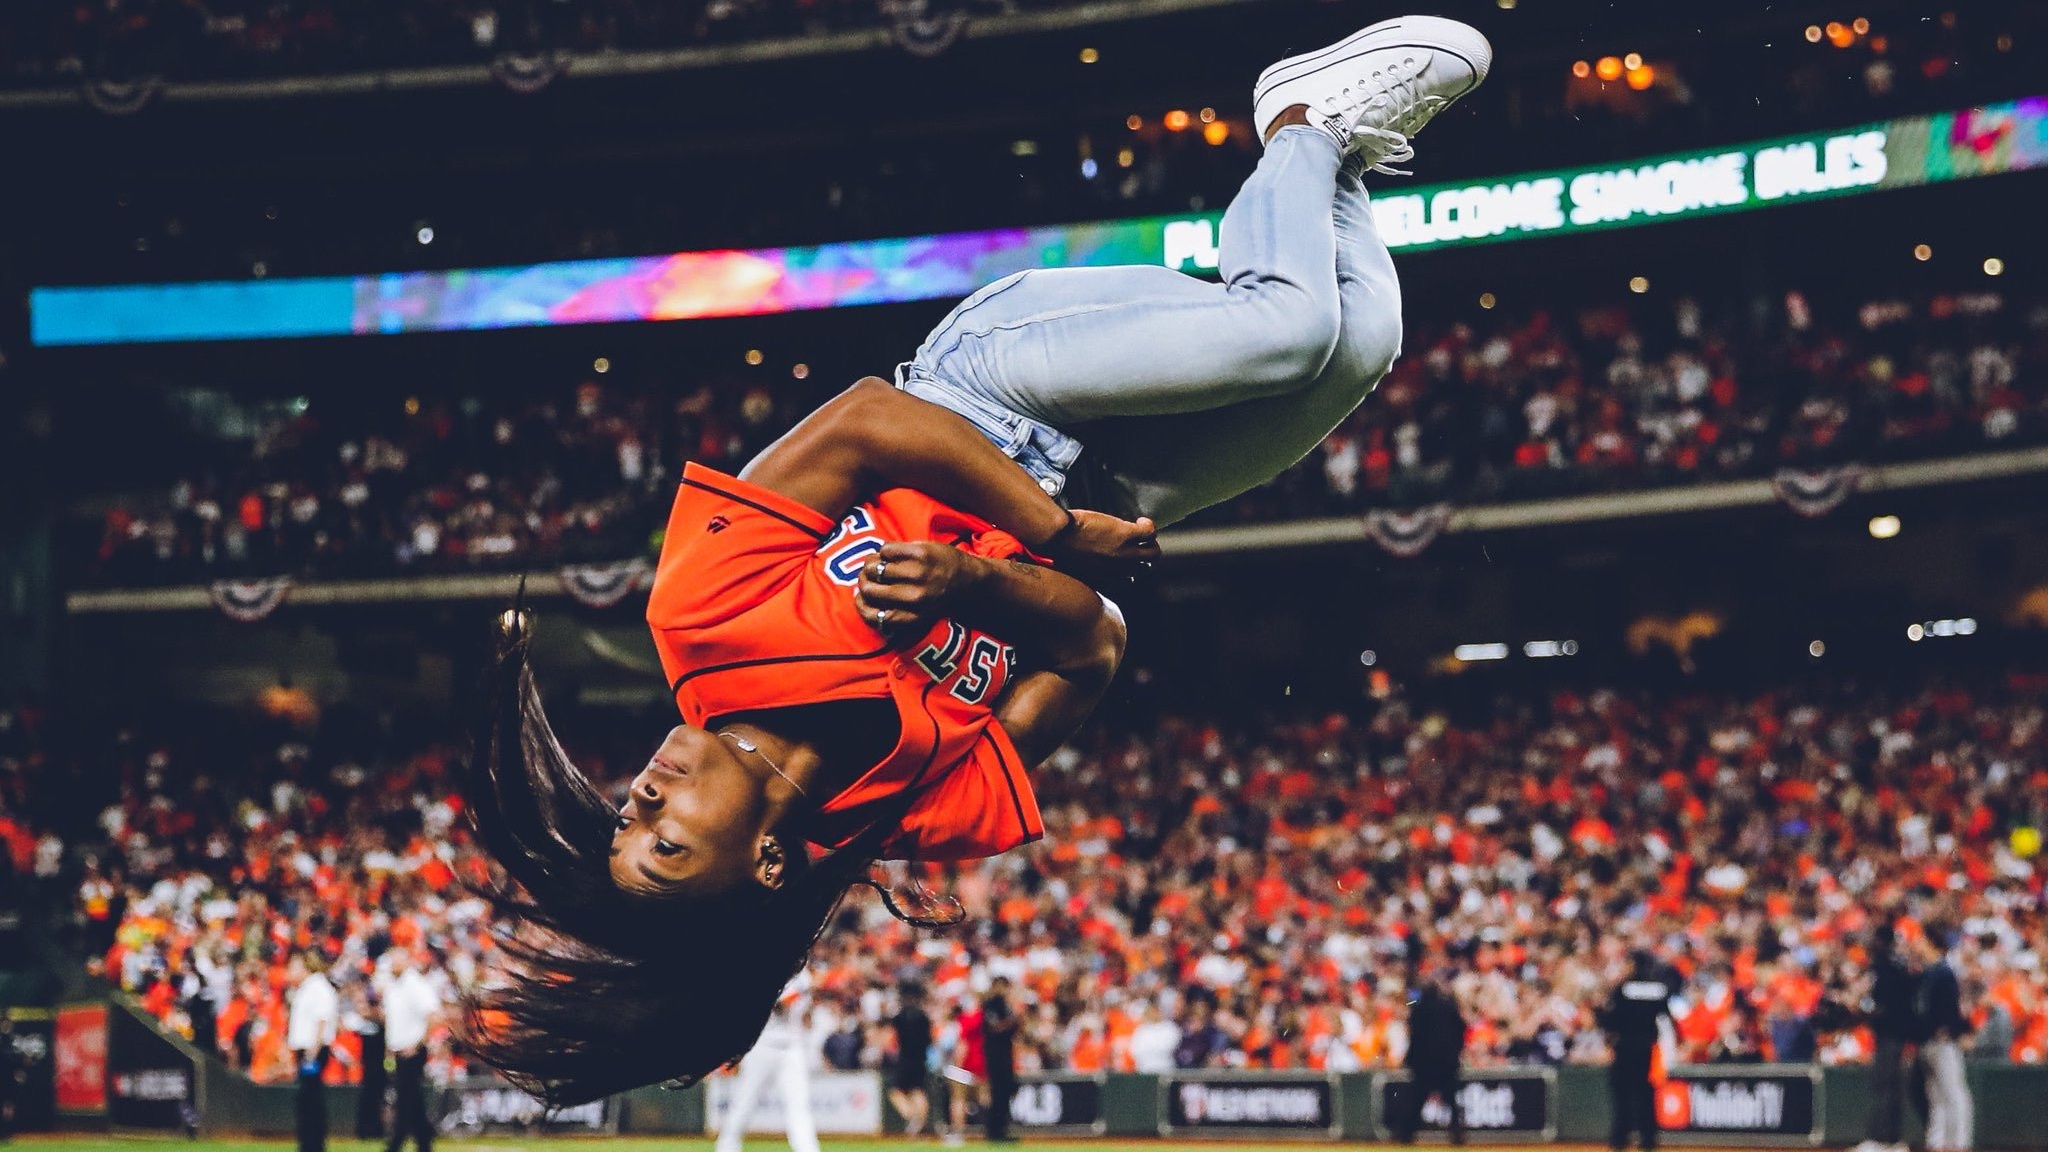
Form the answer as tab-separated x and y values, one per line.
763	660
1010	778
758	507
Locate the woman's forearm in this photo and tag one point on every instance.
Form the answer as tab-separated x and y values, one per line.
873	436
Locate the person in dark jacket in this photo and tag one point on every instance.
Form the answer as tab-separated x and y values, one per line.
1950	1108
909	1083
1894	986
998	1048
1631	1018
1436	1046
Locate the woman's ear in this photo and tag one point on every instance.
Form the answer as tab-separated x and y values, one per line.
770	862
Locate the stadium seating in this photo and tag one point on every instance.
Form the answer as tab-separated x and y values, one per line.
1301	864
1513	403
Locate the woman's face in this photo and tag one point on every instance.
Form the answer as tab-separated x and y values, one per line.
693	821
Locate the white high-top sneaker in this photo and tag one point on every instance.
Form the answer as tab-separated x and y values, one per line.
1375	88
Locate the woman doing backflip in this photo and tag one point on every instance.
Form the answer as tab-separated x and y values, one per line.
862	632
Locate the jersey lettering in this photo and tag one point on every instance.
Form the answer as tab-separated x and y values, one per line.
975	669
973	685
941	660
847	550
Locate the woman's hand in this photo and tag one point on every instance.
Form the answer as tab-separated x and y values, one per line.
912	583
1100	535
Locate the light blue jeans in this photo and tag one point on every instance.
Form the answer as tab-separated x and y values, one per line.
1186	392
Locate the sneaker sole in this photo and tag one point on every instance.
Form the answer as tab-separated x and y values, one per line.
1309	63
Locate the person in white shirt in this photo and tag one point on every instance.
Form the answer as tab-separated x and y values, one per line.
309	1033
1153	1042
783	1056
411	1002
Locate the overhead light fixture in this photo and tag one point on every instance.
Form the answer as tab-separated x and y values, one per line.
1476	652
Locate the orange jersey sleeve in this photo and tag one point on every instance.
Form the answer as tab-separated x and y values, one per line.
753	608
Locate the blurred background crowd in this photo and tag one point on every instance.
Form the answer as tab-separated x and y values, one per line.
1513	403
1262	891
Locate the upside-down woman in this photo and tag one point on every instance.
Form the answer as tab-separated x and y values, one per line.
866	631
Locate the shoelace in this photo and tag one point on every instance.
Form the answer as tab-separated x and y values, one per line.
1391	144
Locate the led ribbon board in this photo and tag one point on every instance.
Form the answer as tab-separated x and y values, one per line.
1902	153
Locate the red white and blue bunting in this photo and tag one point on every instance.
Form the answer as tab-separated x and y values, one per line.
603	585
924	27
1819	491
249	600
528	74
122	97
1407	534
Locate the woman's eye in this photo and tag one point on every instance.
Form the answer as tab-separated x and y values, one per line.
664	848
621	825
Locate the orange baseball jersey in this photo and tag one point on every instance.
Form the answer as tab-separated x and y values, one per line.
753	608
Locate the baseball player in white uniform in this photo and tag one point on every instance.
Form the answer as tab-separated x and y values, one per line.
782	1055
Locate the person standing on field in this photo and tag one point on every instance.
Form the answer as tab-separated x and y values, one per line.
411	1004
314	1022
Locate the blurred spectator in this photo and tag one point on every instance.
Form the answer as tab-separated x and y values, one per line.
1511	406
1263	881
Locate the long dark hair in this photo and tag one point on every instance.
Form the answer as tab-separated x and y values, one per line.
595	990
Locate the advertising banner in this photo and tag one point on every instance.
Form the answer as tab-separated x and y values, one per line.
1761	1103
842	1104
1272	1103
151	1082
1962	144
1056	1104
492	1107
82	1059
32	1033
1501	1104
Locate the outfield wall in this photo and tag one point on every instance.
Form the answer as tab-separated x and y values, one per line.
131	1077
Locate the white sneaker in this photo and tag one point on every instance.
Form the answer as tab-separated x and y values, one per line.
1375	88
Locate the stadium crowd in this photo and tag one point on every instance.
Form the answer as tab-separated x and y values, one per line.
1509	404
1251	894
833	185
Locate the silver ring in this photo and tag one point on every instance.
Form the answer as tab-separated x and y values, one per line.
881	566
882	618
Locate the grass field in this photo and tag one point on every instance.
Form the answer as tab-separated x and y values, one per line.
650	1144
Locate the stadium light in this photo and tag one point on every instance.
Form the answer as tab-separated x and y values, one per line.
1994	267
1176	120
1207	115
1544	649
1816	649
1642	78
1632	61
1923	252
1861	25
1639	284
1487	300
1471	653
1217	132
1960	626
1609	68
1582	69
1813	33
1368	657
425	235
1090	55
1884	527
601	365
